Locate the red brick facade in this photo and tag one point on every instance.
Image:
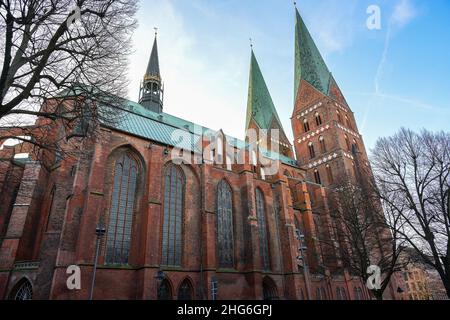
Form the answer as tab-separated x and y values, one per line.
48	217
51	223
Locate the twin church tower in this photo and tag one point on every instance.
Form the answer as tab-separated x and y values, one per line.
326	137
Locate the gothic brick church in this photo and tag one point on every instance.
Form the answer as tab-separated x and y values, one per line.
210	228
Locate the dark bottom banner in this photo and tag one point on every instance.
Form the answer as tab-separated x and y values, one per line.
236	310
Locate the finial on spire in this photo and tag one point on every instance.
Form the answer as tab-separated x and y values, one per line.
156	31
251	43
295	4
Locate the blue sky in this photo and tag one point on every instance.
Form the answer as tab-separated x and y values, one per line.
393	77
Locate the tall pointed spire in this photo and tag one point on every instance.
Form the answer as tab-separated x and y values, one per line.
309	64
260	106
261	111
151	92
153	63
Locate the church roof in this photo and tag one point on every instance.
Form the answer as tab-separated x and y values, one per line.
309	64
260	106
153	63
162	127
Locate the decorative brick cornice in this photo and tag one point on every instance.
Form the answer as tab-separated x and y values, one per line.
348	131
314	133
341	107
323	160
309	110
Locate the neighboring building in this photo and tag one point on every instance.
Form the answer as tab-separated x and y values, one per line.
417	284
421	280
212	226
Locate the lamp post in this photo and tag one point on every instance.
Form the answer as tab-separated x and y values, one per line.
160	276
302	248
100	232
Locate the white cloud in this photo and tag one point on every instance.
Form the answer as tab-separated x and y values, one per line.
334	25
203	83
404	12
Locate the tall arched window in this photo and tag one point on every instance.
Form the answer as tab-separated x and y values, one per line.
318	119
225	244
323	147
173	216
339	117
122	210
312	151
329	174
185	290
347	122
355	147
317	177
263	242
306	125
347	143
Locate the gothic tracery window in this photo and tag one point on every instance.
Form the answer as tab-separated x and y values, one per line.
225	245
323	147
261	216
318	119
173	216
306	125
312	151
317	177
329	174
122	210
24	291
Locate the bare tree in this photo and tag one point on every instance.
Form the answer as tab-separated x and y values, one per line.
55	52
413	174
366	236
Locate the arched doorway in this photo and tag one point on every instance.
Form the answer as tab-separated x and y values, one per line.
23	290
270	290
185	292
165	290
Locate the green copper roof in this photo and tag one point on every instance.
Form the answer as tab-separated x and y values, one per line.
309	64
260	105
163	128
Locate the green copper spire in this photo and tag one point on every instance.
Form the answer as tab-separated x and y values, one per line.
153	63
309	64
260	106
152	91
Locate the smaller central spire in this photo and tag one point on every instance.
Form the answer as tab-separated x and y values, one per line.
261	111
153	63
151	92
